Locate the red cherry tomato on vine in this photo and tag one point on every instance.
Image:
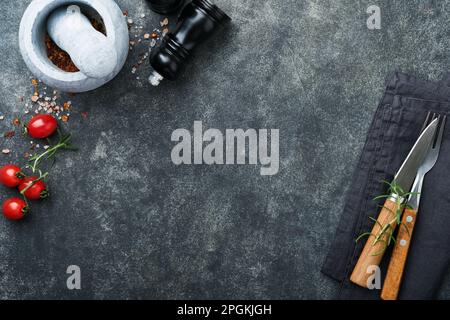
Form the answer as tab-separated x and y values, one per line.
11	175
37	191
42	126
14	209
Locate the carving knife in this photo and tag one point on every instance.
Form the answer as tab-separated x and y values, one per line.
374	248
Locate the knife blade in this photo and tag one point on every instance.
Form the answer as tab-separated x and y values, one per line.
380	236
407	173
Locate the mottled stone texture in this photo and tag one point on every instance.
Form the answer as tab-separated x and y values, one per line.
140	227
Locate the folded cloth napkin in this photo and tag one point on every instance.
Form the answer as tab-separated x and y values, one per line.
394	130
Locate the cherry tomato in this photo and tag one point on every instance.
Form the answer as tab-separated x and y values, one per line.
11	175
36	191
15	209
42	126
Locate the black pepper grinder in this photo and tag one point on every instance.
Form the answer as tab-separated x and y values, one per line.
197	21
165	6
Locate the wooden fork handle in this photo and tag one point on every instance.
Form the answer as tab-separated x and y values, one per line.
396	267
373	251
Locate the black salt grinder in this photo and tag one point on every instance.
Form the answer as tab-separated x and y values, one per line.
165	6
198	20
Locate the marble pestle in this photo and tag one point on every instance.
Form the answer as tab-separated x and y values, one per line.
90	50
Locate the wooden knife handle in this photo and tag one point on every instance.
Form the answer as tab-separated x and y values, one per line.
394	275
373	253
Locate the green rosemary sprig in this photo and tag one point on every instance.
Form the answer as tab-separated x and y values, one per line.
64	143
385	235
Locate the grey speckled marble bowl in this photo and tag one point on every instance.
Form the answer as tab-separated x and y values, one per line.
32	44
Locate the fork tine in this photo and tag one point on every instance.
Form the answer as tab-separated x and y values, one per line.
441	133
435	115
427	121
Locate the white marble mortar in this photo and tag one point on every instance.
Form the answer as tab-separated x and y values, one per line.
32	45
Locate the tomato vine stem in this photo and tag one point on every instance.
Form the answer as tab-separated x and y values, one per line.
36	160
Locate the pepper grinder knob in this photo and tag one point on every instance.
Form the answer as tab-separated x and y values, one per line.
197	22
90	50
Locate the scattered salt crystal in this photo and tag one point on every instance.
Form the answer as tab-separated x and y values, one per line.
143	15
6	151
130	21
164	22
2	117
46	147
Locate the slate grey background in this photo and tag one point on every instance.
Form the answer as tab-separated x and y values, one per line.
140	227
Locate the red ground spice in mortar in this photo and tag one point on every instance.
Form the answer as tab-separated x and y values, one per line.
59	57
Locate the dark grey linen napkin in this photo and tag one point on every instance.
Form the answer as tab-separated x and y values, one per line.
395	127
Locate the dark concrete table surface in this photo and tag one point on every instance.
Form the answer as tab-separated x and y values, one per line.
140	227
